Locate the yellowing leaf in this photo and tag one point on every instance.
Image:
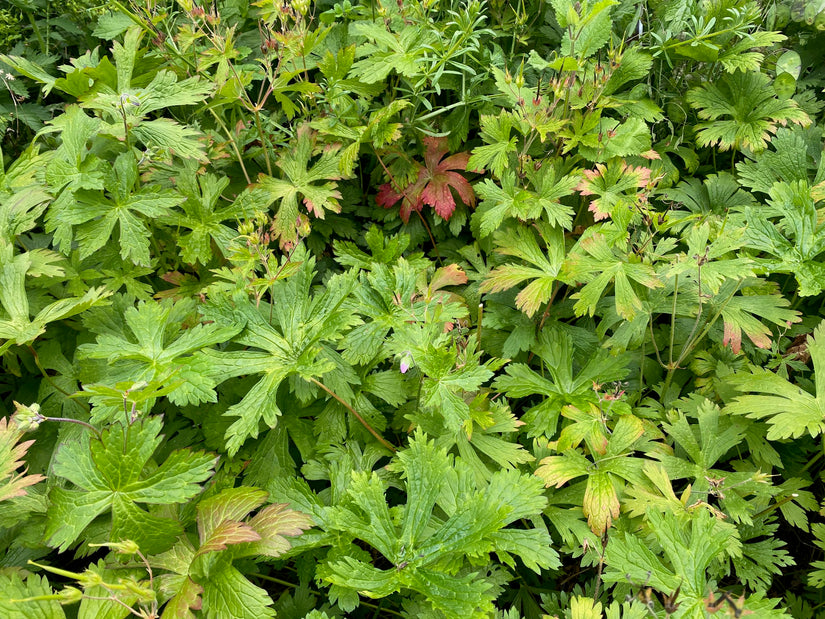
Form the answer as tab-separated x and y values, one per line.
601	503
12	483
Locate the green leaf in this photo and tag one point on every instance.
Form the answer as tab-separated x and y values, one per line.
109	472
150	346
559	385
301	178
788	409
203	216
690	544
16	324
743	112
13	587
786	160
495	154
400	52
126	206
296	343
601	503
598	264
229	595
544	269
226	532
421	544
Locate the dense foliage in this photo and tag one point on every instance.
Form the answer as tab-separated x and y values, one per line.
430	308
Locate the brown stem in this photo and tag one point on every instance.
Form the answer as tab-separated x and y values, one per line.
363	421
77	421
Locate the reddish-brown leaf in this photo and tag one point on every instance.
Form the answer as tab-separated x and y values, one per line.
434	185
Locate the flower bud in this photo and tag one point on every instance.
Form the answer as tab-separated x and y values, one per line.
27	418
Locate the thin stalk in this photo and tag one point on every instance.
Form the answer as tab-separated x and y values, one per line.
363	421
86	425
407	198
655	345
234	145
257	114
698	316
673	321
478	329
45	374
441	110
812	461
43	47
430	233
690	344
642	369
278	581
710	35
779	503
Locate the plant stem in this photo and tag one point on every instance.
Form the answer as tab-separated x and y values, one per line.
363	421
50	380
478	328
43	47
234	145
407	198
77	421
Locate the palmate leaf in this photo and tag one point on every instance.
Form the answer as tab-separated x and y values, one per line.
604	473
700	447
204	577
421	546
743	111
549	185
22	198
598	264
558	383
12	452
631	137
788	410
203	216
400	52
786	160
452	375
150	345
378	131
384	250
690	543
296	342
113	472
543	269
126	105
376	299
16	324
302	177
498	145
749	312
615	187
717	194
433	185
796	251
13	587
482	442
115	93
127	206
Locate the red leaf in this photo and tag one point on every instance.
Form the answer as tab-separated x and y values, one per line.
387	196
434	183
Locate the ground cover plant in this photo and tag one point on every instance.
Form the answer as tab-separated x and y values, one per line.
427	308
